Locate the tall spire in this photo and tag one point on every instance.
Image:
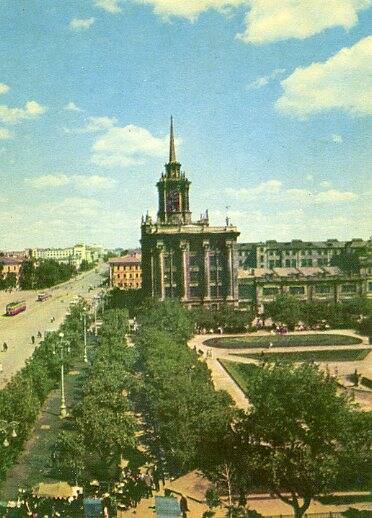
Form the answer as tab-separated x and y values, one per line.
172	148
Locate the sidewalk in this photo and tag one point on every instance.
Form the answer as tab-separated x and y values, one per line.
34	463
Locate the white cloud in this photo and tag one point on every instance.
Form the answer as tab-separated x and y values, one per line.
127	146
273	191
4	88
31	110
81	182
266	20
72	107
336	138
81	24
273	20
93	182
5	134
94	125
342	82
111	6
264	80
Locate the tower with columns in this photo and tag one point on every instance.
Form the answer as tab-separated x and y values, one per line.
190	261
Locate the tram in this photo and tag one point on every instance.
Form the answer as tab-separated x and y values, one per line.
14	308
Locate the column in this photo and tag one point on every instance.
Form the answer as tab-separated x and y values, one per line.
152	273
207	273
230	271
161	271
184	277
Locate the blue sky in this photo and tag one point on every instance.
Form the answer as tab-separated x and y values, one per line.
272	104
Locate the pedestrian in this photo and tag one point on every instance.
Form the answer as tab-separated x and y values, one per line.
183	506
39	335
5	347
32	339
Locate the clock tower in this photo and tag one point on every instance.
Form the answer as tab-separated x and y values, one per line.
182	259
173	188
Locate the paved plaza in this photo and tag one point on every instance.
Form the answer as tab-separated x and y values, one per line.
223	381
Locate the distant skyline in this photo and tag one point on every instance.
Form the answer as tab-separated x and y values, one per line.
272	103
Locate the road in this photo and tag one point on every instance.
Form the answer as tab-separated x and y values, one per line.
16	331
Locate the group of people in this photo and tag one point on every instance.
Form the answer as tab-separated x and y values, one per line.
137	485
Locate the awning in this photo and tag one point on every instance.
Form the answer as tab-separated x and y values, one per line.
57	490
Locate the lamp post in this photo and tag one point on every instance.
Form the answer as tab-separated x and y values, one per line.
95	305
63	410
5	427
85	336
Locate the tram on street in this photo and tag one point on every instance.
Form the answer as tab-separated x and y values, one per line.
13	308
42	297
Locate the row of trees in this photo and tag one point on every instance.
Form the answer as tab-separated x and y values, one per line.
44	274
177	398
102	427
289	310
23	396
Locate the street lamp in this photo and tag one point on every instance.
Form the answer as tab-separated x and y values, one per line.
63	411
85	335
5	428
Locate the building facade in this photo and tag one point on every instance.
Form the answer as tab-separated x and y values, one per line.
189	261
10	265
126	272
73	255
296	253
259	286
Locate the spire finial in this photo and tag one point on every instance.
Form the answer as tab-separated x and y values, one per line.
172	148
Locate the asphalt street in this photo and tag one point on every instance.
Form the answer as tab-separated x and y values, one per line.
17	330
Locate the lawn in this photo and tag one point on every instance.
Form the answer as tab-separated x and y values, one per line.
344	355
240	342
240	372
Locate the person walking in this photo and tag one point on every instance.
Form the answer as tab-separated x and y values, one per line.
32	339
5	347
184	506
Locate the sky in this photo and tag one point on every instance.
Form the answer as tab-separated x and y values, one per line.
272	103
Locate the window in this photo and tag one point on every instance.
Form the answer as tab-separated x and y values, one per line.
287	263
297	290
194	292
348	288
322	288
270	291
369	288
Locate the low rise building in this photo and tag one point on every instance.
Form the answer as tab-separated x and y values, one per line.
10	265
259	286
126	272
73	255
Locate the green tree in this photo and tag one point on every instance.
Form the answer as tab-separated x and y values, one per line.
300	433
132	300
169	316
69	453
27	275
85	265
285	309
347	261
